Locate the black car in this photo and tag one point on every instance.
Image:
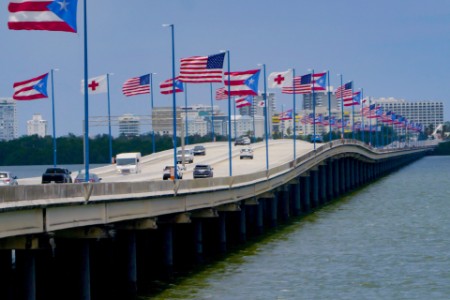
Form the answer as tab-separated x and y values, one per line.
199	150
203	171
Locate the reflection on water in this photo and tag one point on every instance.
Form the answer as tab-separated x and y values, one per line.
388	240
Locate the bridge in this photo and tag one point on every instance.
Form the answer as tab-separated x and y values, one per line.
95	239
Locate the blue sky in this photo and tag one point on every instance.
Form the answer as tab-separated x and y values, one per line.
390	48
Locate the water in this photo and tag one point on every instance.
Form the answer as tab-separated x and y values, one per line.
389	240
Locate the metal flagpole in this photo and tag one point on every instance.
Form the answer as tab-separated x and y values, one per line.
314	108
151	103
109	118
53	119
370	123
86	99
329	104
294	119
362	114
212	113
253	117
174	104
234	110
230	162
186	115
266	118
342	108
353	117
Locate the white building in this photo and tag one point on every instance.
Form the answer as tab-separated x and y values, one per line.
129	125
8	119
37	126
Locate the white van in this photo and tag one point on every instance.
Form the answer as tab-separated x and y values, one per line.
127	163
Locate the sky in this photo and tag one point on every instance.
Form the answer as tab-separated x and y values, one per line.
390	48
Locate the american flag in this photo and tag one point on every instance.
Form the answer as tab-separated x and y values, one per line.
202	69
167	86
221	94
345	91
137	86
304	84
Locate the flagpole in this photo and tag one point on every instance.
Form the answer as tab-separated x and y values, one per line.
314	107
151	103
230	162
253	117
186	138
174	103
212	113
109	117
370	122
235	127
362	115
86	99
294	108
353	117
53	119
329	104
265	117
342	108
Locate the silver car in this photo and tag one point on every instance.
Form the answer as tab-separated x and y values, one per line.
7	178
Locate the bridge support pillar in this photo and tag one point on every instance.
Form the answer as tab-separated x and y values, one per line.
336	180
357	179
305	193
330	180
5	275
242	224
323	184
260	218
131	264
353	173
342	176
222	232
315	188
297	209
274	211
26	268
284	199
168	248
198	231
85	269
348	175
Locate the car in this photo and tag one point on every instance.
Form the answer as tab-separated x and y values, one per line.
81	177
199	150
7	178
242	141
56	175
187	155
246	152
317	138
203	171
168	172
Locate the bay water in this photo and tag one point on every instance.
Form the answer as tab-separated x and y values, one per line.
387	240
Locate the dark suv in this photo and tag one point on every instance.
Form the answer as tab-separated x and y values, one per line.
203	171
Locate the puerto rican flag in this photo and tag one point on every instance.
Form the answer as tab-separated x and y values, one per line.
243	101
243	83
32	89
57	15
286	115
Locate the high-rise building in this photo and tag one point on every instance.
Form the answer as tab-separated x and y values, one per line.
424	112
321	99
8	119
129	125
37	126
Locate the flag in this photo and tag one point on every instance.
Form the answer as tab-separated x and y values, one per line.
286	115
202	69
280	79
167	86
220	94
345	91
355	100
32	89
261	103
243	83
243	101
304	84
137	86
96	85
43	15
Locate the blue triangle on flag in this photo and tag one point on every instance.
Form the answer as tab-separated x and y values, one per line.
41	86
66	10
252	82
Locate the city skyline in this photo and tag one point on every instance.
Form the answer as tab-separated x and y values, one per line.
386	48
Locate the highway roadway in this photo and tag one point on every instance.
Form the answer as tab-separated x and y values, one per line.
280	151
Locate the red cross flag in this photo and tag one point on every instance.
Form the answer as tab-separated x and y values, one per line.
96	85
280	79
